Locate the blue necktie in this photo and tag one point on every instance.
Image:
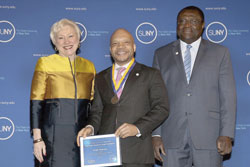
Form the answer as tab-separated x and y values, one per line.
187	62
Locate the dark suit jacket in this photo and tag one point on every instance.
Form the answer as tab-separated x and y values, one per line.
207	105
143	103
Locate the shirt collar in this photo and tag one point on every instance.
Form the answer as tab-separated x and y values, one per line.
195	44
125	65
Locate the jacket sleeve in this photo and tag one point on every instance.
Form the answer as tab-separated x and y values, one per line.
38	89
96	111
157	131
158	106
227	92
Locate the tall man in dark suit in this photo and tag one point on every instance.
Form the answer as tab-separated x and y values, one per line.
134	113
202	98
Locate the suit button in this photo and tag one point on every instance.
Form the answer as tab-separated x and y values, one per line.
189	94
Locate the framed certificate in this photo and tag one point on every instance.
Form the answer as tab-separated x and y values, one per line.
100	150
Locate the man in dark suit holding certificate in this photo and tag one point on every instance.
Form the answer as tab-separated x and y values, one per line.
130	100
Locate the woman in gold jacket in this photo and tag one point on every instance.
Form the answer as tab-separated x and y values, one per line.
62	88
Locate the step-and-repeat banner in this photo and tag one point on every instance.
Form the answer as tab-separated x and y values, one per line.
24	37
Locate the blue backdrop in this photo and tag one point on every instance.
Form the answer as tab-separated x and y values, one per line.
24	37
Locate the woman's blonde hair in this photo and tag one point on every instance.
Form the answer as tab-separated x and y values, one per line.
57	26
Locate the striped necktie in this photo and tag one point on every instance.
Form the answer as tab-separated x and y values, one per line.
118	78
187	62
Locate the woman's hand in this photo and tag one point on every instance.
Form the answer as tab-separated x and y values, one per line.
40	151
39	145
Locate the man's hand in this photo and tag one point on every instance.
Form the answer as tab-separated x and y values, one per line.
126	130
158	147
87	131
224	145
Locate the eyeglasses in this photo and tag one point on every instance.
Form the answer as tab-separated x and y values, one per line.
192	21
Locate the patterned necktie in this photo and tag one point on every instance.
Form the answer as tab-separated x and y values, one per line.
118	78
187	62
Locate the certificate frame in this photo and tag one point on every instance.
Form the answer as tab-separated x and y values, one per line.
100	151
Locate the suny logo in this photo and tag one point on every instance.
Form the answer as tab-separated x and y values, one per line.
7	31
83	31
146	33
216	32
7	128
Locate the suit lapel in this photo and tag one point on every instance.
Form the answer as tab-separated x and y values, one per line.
178	59
131	79
108	76
200	55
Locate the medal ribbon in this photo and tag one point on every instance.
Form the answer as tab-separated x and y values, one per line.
117	87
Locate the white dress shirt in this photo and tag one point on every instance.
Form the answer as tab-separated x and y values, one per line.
193	50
